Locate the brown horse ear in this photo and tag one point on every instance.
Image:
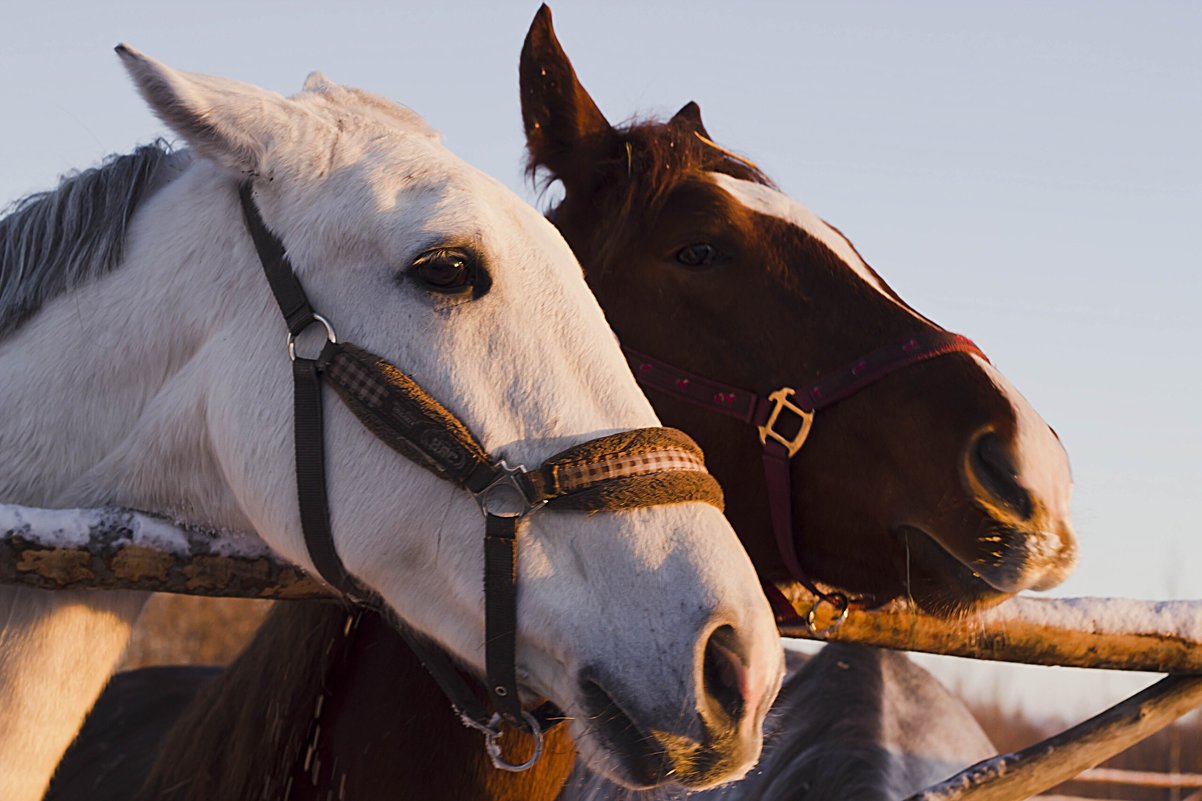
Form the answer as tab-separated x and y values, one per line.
561	118
689	117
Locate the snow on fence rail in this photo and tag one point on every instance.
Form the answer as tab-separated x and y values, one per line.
122	549
1105	633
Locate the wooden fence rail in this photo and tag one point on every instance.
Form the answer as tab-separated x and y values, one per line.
1045	765
1141	778
123	549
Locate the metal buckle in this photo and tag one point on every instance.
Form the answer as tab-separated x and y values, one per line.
324	323
492	741
768	429
837	600
506	495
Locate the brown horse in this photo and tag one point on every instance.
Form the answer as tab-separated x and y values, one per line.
937	481
325	703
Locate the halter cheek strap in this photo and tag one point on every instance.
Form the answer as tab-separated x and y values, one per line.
784	419
632	469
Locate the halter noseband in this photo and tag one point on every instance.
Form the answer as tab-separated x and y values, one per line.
638	468
793	408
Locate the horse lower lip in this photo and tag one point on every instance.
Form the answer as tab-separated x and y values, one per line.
638	753
927	550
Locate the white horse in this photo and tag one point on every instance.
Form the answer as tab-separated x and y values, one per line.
145	367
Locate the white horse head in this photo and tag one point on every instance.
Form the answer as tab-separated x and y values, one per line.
181	404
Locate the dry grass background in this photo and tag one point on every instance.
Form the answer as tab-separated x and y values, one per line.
178	629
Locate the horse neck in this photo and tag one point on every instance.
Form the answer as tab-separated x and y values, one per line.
57	651
381	725
104	403
98	410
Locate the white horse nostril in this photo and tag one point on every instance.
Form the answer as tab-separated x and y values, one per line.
726	680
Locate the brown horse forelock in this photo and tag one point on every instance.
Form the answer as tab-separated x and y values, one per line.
781	309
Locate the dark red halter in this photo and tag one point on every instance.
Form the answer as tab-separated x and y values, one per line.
784	419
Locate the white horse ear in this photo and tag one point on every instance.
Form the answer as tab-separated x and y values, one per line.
226	121
316	82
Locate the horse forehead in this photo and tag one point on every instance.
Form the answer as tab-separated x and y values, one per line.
400	169
347	106
768	201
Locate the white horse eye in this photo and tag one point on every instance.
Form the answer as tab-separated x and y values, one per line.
448	271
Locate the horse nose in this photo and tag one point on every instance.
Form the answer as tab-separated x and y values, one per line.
725	681
993	474
713	739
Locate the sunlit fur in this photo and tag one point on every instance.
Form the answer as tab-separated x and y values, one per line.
163	385
882	504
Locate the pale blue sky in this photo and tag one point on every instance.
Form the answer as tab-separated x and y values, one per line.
1027	173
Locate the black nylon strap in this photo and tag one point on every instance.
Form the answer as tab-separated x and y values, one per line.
500	616
311	477
455	687
446	676
289	294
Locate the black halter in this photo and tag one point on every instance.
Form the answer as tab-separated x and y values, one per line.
634	469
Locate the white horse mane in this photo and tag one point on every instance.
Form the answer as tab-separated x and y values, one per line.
54	241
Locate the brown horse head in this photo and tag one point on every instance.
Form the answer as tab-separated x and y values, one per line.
938	481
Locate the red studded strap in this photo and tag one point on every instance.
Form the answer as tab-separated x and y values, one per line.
698	390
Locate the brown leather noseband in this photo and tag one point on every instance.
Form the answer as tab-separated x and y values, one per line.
784	419
639	468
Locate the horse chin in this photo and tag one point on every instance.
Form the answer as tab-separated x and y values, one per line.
634	760
938	582
639	759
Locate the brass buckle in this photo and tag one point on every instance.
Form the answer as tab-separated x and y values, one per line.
768	429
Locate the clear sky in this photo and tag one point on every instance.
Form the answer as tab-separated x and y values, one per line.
1024	172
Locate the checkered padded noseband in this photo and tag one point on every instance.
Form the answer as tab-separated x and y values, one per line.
644	467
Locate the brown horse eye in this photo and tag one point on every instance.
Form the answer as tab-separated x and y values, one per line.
444	270
699	254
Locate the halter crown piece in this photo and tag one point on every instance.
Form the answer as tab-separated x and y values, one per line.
784	419
638	468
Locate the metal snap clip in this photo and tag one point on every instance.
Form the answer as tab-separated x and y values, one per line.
506	495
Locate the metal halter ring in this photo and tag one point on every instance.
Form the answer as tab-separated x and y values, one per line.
492	741
323	322
840	602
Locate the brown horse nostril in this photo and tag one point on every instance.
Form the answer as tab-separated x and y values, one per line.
724	674
991	465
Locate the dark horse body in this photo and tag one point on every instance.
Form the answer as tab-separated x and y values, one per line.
852	724
938	482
